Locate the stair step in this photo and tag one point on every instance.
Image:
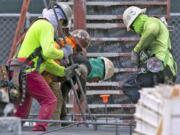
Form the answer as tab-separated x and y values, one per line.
115	39
104	92
108	54
104	84
103	17
123	3
94	106
110	17
119	70
105	25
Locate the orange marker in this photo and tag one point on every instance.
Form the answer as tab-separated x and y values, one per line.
105	98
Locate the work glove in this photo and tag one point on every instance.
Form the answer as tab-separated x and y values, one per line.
70	71
82	71
135	58
68	50
64	62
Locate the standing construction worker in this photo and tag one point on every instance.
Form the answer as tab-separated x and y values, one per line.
78	42
37	51
152	54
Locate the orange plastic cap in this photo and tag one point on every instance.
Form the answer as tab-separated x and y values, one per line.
105	98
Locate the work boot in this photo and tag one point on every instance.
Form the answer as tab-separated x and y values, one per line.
38	128
65	118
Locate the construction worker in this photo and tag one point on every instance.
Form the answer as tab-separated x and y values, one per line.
52	80
93	69
152	54
37	51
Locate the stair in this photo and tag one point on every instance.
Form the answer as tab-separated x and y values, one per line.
110	39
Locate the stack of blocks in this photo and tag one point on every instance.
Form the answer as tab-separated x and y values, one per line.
157	111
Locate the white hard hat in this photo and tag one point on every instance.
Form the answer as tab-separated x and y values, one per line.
109	68
66	10
130	14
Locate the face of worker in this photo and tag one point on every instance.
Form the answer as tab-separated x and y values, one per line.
49	14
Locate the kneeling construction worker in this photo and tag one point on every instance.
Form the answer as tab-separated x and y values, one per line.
93	69
152	54
36	53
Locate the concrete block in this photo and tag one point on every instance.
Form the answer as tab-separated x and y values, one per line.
10	126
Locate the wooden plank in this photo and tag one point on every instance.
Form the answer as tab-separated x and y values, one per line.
94	106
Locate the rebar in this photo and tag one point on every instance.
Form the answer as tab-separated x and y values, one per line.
81	122
98	115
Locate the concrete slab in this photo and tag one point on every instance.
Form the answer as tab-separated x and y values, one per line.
81	131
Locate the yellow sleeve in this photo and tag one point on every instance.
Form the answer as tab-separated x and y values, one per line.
149	34
47	42
52	67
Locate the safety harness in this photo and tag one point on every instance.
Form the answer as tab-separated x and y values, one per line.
18	70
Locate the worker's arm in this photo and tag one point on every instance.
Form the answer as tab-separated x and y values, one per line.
47	42
54	68
149	34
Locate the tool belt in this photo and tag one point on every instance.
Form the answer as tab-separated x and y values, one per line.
153	65
13	77
13	81
4	79
156	66
17	70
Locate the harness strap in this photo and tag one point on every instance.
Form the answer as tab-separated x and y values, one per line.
37	52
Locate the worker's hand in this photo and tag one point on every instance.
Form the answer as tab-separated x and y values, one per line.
82	71
134	58
64	62
68	50
70	71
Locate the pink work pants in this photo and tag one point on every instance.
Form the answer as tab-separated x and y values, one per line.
38	88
